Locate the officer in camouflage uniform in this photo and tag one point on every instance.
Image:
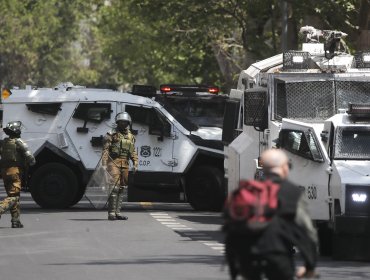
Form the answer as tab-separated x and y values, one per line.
15	157
119	148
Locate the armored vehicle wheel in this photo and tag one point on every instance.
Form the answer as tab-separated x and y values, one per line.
79	194
204	188
54	185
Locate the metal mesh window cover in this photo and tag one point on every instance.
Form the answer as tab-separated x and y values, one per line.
308	100
352	91
296	60
352	143
254	107
360	61
316	97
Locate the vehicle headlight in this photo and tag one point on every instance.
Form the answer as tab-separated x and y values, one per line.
359	197
357	200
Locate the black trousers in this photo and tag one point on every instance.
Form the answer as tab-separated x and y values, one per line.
274	266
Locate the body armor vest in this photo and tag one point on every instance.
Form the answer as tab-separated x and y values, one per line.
10	153
122	145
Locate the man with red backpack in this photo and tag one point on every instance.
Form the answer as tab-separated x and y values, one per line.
264	220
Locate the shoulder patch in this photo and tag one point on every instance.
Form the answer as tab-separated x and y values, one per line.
111	132
19	141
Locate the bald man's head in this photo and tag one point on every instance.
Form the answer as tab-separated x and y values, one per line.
275	161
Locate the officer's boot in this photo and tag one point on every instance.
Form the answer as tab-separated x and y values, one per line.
17	224
15	213
112	201
120	196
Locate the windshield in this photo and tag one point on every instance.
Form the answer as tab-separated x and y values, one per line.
352	143
200	111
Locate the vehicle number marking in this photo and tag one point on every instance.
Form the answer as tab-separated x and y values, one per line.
312	192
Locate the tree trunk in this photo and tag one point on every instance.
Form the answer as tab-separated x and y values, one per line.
363	40
227	67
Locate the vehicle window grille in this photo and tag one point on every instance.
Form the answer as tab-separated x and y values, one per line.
352	92
313	100
289	63
254	107
316	100
352	143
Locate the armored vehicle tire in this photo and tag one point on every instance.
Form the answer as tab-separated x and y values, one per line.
79	194
54	185
204	188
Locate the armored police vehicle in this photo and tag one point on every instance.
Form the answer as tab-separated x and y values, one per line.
64	127
314	104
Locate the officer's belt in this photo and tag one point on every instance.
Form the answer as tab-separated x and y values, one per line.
113	156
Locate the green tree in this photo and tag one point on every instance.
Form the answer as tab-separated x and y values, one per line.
117	43
35	40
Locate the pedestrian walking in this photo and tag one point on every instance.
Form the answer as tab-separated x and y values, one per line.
15	160
119	148
264	247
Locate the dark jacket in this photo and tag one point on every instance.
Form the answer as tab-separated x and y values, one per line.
292	226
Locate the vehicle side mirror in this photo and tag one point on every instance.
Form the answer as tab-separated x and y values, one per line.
256	109
324	136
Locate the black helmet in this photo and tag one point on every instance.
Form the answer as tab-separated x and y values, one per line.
13	128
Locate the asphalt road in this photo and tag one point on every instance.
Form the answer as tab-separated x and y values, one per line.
159	241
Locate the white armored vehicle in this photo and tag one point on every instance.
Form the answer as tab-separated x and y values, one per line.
314	104
64	127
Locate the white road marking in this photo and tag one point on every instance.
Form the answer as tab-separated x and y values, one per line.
203	238
213	244
218	248
179	225
197	233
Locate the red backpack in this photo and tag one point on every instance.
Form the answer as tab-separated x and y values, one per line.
250	208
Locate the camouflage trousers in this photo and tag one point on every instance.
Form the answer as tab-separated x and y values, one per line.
118	184
12	182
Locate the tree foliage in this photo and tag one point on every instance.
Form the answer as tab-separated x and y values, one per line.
117	43
35	40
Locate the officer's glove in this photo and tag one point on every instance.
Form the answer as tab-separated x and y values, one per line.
32	162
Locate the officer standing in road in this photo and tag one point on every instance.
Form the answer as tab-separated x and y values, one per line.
15	159
119	148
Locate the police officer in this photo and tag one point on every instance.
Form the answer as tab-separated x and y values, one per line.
15	158
119	148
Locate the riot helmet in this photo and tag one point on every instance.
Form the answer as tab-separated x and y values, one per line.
124	116
13	128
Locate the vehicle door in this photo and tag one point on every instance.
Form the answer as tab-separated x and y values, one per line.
154	143
87	127
310	164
